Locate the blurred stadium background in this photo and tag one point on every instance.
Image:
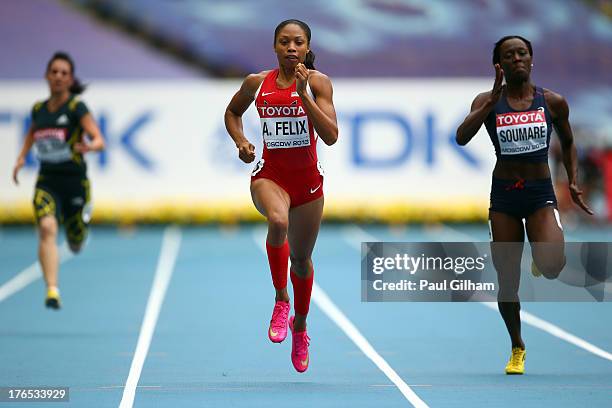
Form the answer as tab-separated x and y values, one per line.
160	74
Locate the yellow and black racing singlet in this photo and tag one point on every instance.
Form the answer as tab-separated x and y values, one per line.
55	134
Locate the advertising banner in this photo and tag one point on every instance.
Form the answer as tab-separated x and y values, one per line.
169	156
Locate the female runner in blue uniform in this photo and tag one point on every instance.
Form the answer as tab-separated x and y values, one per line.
519	118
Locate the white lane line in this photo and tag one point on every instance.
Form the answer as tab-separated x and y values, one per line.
29	275
355	232
391	385
327	306
331	310
556	331
546	326
171	244
354	236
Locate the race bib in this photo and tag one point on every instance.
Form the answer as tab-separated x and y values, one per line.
521	132
50	145
282	128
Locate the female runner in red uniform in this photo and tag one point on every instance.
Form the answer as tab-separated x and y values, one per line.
293	101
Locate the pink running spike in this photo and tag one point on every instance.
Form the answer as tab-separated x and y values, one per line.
299	348
278	324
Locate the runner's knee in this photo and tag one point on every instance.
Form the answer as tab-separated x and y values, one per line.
278	222
47	228
301	266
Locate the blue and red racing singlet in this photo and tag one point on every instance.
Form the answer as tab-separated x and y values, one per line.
520	135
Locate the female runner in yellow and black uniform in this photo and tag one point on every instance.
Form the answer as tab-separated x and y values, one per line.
62	188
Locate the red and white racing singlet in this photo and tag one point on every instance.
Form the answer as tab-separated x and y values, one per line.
290	141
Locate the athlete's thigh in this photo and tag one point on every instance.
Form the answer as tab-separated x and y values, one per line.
76	210
304	223
46	199
546	238
505	227
269	197
544	225
507	236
